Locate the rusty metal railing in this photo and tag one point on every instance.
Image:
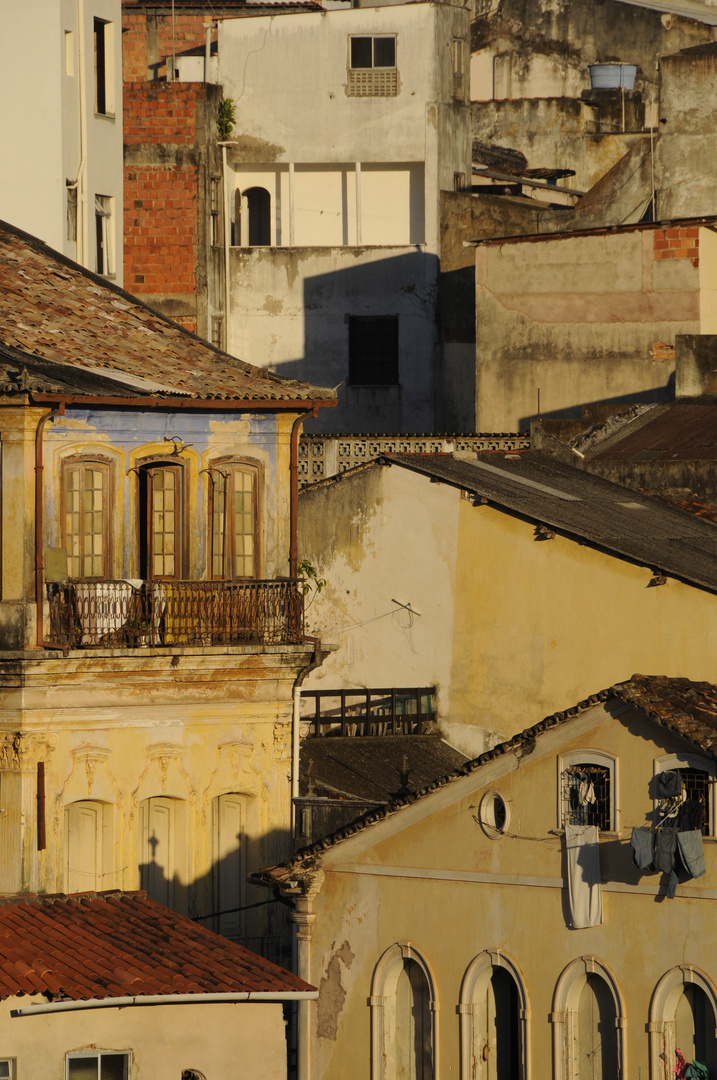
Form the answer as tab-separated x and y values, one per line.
131	614
396	711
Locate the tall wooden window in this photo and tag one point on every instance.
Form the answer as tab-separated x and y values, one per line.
229	864
234	521
85	534
161	522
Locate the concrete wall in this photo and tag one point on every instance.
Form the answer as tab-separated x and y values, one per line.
51	133
509	628
688	119
240	1041
354	184
290	309
430	878
577	316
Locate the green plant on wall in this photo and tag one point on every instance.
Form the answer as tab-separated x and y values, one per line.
225	119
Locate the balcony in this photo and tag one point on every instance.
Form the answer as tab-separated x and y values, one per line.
132	614
396	711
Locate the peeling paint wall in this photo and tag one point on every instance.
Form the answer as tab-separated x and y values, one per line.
509	628
430	877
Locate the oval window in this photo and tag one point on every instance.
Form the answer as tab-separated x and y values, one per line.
493	814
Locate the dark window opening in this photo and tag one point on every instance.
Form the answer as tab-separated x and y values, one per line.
259	207
586	796
214	211
373	52
100	67
696	788
373	350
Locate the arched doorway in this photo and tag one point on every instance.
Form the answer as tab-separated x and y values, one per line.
494	1017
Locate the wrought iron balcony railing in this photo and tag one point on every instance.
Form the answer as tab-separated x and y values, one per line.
130	614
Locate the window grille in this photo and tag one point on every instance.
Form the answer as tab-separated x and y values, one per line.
586	795
696	786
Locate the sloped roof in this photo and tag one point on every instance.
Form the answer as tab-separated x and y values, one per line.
619	520
117	944
687	709
678	431
64	325
374	768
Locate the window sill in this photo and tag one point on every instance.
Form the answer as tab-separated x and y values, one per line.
106	116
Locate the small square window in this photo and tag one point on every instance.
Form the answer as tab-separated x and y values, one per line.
100	1066
373	350
373	52
7	1068
372	66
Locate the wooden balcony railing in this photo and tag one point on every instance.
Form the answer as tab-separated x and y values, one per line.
369	712
130	614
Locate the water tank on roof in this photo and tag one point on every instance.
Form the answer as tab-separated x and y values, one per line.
612	76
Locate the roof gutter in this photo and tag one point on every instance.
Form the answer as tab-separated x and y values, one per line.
225	404
166	999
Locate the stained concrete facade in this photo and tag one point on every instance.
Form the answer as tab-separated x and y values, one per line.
574	318
352	178
61	127
503	624
688	122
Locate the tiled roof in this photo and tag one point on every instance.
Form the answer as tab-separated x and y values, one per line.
117	944
579	504
679	431
54	312
688	709
373	768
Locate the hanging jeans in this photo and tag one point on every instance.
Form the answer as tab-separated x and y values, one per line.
691	852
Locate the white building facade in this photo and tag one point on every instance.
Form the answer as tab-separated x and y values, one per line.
349	123
61	127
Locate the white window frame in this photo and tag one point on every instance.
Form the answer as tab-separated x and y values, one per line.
590	756
12	1068
374	37
105	211
97	1055
689	761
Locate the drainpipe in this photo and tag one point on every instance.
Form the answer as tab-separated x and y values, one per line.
39	601
81	178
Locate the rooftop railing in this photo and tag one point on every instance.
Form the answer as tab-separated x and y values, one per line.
132	614
396	711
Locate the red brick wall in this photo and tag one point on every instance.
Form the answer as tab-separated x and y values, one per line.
189	32
677	243
160	215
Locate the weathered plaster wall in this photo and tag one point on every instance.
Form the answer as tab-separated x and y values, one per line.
510	628
576	317
430	877
241	1041
688	118
290	309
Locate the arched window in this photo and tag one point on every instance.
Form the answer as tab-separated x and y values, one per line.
161	521
588	1019
229	863
85	518
234	520
493	1020
403	1016
259	207
163	849
587	782
683	1016
88	846
698	774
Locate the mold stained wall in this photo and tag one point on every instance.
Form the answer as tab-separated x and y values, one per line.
510	628
577	318
330	253
398	880
42	145
688	114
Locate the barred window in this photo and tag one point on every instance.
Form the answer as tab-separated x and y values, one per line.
84	491
696	788
586	795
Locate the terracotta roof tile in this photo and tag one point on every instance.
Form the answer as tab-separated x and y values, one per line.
688	709
119	944
63	326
